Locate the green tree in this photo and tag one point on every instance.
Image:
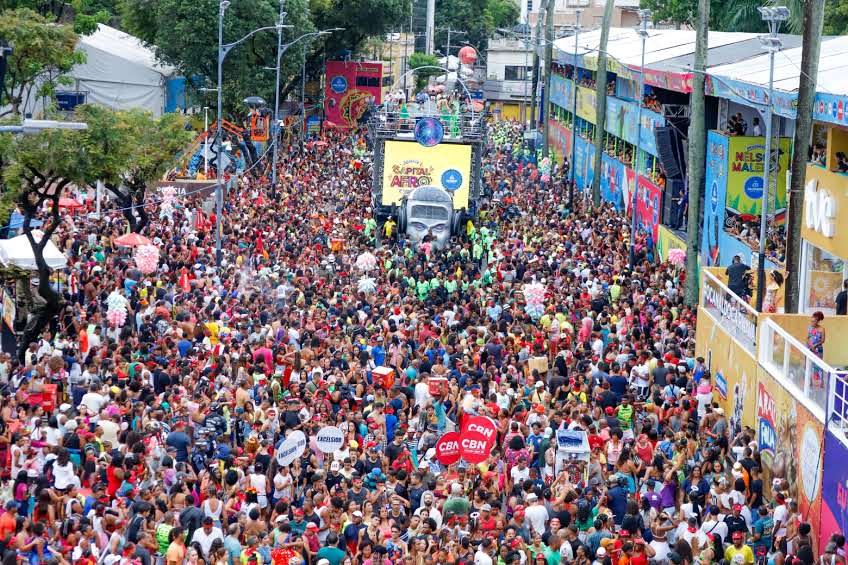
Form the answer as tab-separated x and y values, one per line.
836	18
130	150
44	165
419	60
184	34
475	19
85	14
42	52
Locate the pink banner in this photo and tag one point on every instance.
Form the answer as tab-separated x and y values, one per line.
350	85
648	207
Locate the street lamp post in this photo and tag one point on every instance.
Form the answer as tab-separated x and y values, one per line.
206	141
644	18
223	50
771	43
573	171
281	49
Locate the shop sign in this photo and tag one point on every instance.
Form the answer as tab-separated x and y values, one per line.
819	209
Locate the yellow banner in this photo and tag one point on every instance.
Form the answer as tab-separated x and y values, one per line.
408	165
667	241
586	104
745	174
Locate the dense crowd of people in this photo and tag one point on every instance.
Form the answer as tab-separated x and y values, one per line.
162	444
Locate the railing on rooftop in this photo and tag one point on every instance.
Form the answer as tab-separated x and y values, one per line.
390	122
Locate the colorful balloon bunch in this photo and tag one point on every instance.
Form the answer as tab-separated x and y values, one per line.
367	285
677	257
146	258
366	262
117	309
534	297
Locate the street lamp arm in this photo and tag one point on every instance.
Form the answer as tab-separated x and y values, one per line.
310	34
225	49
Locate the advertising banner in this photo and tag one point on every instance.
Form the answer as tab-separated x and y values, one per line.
584	162
329	439
613	177
622	120
790	441
739	321
560	140
586	104
824	286
830	108
716	193
350	85
725	355
648	207
561	92
483	426
744	175
667	241
834	511
784	103
447	448
408	165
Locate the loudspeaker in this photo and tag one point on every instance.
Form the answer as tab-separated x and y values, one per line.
671	202
667	147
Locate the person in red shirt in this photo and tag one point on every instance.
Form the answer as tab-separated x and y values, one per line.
8	521
486	522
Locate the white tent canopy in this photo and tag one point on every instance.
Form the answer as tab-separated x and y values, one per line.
18	252
120	72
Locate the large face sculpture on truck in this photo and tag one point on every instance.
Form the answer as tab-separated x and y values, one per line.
429	210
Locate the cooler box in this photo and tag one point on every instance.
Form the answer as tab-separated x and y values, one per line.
384	377
437	385
538	363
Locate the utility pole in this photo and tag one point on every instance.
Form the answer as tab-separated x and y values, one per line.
644	17
810	47
430	39
447	57
572	168
549	54
535	83
773	17
601	101
276	128
697	153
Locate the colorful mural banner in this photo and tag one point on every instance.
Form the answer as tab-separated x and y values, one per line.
716	192
785	103
584	162
739	368
560	140
613	178
586	104
744	175
622	121
834	512
666	241
350	84
678	82
831	108
562	91
648	207
824	286
626	89
789	438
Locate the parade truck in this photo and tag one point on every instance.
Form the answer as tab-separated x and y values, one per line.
427	168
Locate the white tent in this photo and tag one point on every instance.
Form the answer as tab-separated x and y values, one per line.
120	72
18	252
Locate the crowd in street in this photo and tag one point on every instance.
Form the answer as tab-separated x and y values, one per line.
162	446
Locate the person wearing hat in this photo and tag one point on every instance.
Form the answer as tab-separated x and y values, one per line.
739	552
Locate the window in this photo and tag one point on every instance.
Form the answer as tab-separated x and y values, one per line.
430	212
388	80
529	6
514	72
368	81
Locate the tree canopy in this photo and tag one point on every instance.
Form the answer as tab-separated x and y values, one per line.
42	52
472	21
419	60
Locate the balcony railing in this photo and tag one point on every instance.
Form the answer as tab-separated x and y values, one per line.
817	385
466	126
736	315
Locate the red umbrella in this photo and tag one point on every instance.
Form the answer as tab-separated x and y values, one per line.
132	240
65	202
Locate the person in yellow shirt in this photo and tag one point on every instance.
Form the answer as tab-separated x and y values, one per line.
739	553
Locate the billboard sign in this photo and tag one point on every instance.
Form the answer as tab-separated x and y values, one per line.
408	165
